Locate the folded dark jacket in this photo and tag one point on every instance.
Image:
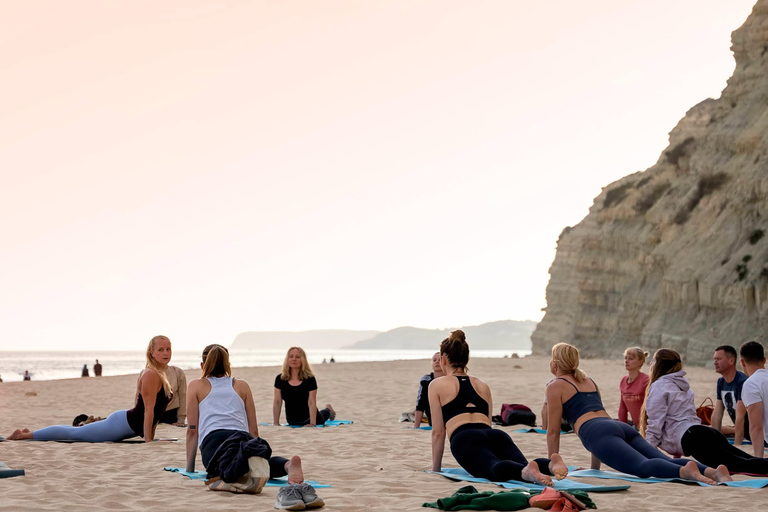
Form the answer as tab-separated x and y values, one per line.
469	498
230	461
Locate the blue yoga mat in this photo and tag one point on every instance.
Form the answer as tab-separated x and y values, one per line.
6	472
745	441
425	427
329	423
536	431
274	482
560	485
753	483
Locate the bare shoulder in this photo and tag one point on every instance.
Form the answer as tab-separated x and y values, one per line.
478	383
241	386
149	375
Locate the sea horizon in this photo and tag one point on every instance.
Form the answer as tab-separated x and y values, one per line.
68	364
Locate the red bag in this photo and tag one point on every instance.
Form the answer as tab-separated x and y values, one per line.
704	412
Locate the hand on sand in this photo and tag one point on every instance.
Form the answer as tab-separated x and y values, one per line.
557	467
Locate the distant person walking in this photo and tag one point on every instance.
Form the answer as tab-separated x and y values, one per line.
27	376
85	371
97	369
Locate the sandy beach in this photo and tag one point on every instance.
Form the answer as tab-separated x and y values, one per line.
374	464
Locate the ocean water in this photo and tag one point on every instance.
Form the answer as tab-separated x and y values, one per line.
69	365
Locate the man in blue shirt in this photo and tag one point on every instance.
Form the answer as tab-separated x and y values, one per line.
729	387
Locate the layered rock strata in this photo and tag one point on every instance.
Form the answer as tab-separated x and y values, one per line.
677	256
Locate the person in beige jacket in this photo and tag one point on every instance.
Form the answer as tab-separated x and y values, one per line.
176	412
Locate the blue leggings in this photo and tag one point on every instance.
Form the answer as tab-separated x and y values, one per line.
114	428
620	446
488	453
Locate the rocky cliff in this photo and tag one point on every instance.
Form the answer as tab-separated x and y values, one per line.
676	256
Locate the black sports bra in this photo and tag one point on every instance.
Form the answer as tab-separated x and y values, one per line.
467	395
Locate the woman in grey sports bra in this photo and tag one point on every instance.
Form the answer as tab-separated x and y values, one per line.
465	415
573	396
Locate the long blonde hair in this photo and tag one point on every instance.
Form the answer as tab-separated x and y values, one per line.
151	363
566	357
665	361
305	371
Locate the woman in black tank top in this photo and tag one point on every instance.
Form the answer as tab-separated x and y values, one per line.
481	450
152	398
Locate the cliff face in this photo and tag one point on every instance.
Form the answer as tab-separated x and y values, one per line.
676	256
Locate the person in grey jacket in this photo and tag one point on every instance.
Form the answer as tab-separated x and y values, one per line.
669	421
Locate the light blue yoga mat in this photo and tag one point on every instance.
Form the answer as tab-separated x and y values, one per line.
753	483
274	482
6	472
745	441
560	485
329	423
536	431
425	427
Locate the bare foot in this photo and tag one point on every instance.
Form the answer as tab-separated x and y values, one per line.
295	474
691	472
20	434
333	412
531	473
557	466
721	474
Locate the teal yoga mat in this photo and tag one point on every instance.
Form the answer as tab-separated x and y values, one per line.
274	482
425	427
329	423
561	485
753	483
6	472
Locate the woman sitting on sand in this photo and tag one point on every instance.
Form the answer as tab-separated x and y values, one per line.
297	387
218	406
153	396
422	398
461	405
669	420
574	397
632	387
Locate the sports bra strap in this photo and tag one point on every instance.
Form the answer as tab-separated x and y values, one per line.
569	382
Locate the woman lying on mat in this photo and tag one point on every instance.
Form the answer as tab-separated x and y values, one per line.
576	398
153	396
461	405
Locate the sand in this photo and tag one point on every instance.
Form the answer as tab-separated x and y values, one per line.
373	464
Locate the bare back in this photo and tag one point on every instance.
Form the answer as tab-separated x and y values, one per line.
444	390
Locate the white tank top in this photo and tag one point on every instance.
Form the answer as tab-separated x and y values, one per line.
221	409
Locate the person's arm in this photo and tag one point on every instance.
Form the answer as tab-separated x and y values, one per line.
417	419
193	414
250	409
623	411
313	408
741	413
544	414
656	408
717	416
755	414
150	385
438	428
554	417
277	404
181	415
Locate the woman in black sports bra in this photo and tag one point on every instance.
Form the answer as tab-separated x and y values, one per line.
574	397
461	406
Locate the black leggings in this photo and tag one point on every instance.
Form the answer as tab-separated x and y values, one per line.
488	453
214	439
710	447
623	448
322	416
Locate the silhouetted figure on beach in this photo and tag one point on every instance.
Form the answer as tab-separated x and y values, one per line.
333	360
27	376
85	371
97	369
1	379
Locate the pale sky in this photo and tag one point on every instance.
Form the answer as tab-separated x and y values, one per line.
201	168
